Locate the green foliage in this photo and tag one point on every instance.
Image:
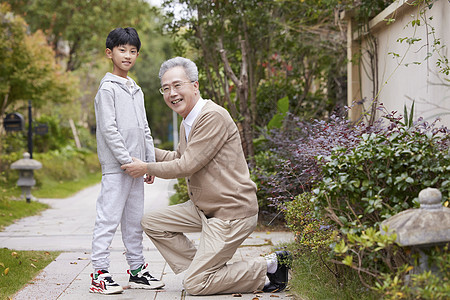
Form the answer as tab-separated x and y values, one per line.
181	192
58	166
28	70
156	48
56	138
265	167
67	164
373	181
80	25
311	233
282	110
409	118
382	176
421	285
314	277
13	142
19	267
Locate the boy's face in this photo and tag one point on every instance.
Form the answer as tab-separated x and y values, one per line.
123	58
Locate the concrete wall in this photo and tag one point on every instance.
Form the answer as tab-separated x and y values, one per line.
407	77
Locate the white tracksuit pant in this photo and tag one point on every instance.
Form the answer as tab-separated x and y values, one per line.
121	201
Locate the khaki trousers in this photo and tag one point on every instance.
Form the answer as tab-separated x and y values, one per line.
207	271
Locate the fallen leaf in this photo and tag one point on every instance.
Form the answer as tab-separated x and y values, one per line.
275	296
73	263
82	258
14	254
33	259
47	253
237	295
6	271
33	266
1	264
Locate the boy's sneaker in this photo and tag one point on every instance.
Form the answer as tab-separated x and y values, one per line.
143	280
103	283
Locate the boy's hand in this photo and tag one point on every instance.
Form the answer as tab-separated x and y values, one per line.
149	179
136	169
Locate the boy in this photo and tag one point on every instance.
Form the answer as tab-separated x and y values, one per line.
122	132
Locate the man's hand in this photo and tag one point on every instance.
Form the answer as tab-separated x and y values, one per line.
136	169
149	179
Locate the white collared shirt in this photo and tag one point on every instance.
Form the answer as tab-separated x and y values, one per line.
189	120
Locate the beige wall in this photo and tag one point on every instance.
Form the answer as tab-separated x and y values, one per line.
398	84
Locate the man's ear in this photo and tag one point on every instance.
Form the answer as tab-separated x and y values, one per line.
108	53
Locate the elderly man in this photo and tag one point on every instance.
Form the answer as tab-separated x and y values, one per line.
222	205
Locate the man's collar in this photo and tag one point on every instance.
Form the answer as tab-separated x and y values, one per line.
189	120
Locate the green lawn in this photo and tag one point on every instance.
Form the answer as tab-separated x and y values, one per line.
11	210
19	267
64	189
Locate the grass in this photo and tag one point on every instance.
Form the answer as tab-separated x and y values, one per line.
311	279
19	267
63	189
11	210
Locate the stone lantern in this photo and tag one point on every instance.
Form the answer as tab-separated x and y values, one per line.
26	181
422	228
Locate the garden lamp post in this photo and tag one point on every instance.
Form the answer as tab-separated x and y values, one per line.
26	167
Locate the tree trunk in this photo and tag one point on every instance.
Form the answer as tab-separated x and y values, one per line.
242	92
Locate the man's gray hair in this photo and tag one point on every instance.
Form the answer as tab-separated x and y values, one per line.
189	67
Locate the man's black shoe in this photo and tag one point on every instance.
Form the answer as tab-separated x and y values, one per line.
279	279
273	288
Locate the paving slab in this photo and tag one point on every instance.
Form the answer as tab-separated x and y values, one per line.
67	226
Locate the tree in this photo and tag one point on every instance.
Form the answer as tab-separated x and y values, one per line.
228	44
156	48
253	53
77	29
28	70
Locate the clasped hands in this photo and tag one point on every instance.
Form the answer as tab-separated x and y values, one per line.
138	168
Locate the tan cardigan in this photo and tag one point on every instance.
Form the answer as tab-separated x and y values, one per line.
214	165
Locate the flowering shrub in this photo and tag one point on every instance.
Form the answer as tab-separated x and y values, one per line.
375	180
383	174
287	165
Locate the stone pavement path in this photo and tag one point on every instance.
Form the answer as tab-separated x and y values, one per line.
67	226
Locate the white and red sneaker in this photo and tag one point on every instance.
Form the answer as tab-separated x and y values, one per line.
102	283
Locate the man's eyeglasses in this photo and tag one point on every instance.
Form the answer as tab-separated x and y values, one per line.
177	86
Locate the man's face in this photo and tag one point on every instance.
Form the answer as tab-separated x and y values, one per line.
123	58
180	94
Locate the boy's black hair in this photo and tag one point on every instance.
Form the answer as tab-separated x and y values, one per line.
123	36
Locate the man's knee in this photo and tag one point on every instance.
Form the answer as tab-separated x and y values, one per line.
194	285
148	224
